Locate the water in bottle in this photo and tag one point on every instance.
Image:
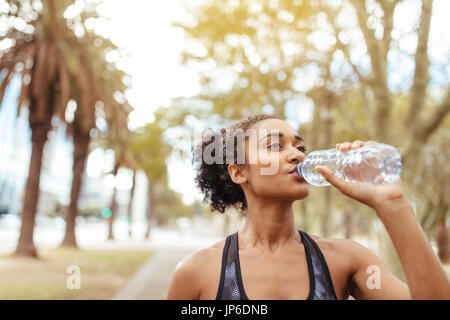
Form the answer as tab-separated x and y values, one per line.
375	163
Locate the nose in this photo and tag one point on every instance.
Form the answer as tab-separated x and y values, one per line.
295	156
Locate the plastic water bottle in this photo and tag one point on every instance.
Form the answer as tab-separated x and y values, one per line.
375	163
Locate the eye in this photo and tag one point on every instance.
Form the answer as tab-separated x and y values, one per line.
302	149
275	144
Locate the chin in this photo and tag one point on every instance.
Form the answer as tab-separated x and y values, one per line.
300	195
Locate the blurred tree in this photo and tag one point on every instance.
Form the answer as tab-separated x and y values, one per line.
255	55
167	207
118	138
123	158
150	150
130	203
101	84
113	204
245	49
59	60
434	191
417	128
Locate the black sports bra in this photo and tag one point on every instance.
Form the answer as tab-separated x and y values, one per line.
231	287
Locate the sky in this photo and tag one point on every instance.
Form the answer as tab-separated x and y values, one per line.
143	29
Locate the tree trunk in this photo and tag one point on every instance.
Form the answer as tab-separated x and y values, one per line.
378	81
442	233
417	127
150	209
443	242
25	245
113	205
316	127
80	153
304	223
325	226
421	73
348	222
328	118
130	205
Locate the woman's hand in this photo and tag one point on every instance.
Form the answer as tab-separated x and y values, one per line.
372	195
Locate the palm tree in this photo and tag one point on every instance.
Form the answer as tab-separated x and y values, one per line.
81	138
55	66
129	162
130	203
151	150
117	139
115	116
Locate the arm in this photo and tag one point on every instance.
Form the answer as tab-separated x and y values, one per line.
371	279
425	275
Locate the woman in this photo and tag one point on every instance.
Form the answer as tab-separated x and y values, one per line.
268	258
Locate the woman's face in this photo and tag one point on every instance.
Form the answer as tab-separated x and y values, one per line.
273	149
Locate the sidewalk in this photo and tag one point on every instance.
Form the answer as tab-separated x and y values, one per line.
151	282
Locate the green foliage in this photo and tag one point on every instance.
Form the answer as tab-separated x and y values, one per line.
63	60
268	53
169	205
150	150
259	45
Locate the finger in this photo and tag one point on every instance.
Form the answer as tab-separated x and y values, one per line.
357	144
345	146
331	178
370	142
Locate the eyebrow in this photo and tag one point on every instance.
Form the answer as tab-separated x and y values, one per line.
280	134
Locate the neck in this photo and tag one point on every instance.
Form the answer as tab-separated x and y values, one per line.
269	225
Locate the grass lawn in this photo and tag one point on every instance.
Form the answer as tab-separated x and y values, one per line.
102	273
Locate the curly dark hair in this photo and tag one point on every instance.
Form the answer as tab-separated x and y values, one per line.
213	179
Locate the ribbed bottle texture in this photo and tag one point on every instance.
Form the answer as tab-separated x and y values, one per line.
376	163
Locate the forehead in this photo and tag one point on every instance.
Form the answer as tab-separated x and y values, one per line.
264	127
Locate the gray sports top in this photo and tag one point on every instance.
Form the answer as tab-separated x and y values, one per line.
231	287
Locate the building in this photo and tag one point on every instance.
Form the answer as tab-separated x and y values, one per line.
15	152
56	174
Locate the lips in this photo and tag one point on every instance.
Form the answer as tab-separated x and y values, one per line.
295	173
293	170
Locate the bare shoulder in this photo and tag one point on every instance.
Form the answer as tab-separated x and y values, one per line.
354	270
191	272
197	261
346	250
206	253
340	245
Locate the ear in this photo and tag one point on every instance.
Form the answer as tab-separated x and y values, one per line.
237	173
